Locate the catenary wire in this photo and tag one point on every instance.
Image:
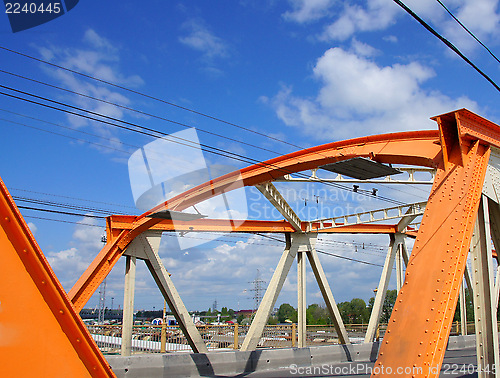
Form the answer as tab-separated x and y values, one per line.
148	96
447	43
467	30
124	88
153	132
140	112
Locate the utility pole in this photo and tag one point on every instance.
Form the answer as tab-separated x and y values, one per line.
258	289
102	294
214	306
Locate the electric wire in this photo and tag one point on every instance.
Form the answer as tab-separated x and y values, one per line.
467	30
148	96
72	198
446	42
61	212
153	133
140	112
61	221
327	253
151	97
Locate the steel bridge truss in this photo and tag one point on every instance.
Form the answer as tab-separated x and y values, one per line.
462	214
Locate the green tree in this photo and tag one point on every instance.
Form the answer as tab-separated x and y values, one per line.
354	312
389	301
285	312
317	315
273	320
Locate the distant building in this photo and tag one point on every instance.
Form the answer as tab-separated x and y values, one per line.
245	313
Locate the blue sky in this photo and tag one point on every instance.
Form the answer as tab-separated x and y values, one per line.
305	72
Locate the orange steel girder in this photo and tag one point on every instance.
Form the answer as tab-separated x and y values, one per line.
416	148
420	323
41	335
117	223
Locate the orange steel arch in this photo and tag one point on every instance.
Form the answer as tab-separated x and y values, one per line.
420	148
421	320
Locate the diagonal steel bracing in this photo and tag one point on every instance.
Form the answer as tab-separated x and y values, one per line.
409	212
145	247
278	201
297	245
324	287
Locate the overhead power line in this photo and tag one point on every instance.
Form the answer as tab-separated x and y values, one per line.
150	97
363	192
140	112
446	42
467	30
133	127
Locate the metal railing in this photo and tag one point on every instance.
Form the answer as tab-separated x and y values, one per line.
148	338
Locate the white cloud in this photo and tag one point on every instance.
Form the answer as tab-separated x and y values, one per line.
307	10
70	263
480	16
33	228
200	38
358	97
99	58
377	15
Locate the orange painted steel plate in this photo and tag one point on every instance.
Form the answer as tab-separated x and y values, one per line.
420	324
118	223
41	335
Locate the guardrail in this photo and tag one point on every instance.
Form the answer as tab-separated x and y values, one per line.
148	338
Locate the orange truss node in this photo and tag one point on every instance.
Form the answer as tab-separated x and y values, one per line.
41	333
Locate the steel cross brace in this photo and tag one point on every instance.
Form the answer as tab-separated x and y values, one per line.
145	247
295	244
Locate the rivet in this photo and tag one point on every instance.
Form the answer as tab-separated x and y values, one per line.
61	312
7	219
43	282
77	340
25	250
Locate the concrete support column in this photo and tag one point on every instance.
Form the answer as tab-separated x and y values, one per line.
128	306
301	292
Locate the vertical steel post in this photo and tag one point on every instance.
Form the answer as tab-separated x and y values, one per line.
236	337
301	292
485	314
128	306
163	340
463	310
